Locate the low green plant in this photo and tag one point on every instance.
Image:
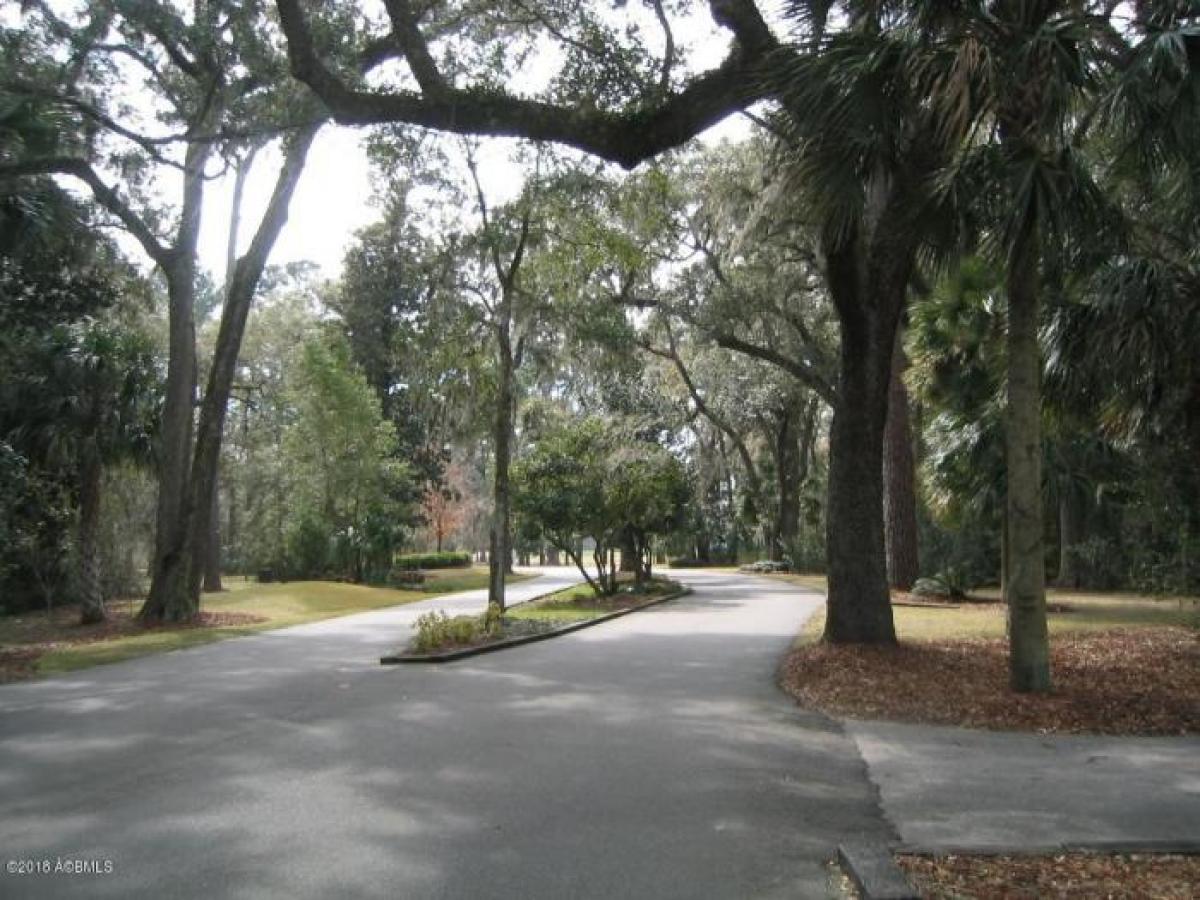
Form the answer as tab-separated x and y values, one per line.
952	581
444	560
436	630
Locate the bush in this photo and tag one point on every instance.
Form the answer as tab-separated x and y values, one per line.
766	567
687	562
308	548
405	577
446	560
436	630
951	582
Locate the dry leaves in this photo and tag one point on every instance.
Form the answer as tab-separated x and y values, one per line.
1076	876
1126	681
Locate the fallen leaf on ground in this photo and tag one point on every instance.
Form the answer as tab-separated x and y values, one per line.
1124	681
1072	876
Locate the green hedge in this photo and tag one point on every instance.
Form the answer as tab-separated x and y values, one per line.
433	561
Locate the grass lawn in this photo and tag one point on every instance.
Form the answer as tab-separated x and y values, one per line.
31	644
573	604
447	581
1074	611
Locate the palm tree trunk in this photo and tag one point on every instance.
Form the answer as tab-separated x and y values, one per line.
1025	581
899	477
868	285
859	604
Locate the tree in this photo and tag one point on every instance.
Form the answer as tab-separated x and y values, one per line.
591	479
103	381
1016	78
870	261
209	73
647	493
79	379
345	485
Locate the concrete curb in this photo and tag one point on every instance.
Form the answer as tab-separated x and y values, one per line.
874	872
452	655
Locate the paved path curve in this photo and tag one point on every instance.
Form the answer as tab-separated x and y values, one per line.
649	757
961	789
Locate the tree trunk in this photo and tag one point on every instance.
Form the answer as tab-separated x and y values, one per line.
91	590
168	600
859	604
900	496
787	468
868	282
552	558
1025	582
212	553
239	299
500	562
629	552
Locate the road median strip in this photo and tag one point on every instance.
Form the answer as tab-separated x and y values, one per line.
465	652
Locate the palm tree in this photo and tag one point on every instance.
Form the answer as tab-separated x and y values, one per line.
1018	84
860	147
88	398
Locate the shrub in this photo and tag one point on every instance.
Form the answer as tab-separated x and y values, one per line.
950	582
405	577
436	630
766	567
445	560
687	562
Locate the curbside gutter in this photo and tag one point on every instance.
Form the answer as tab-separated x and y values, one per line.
464	653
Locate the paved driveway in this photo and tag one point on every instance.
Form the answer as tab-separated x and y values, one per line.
649	757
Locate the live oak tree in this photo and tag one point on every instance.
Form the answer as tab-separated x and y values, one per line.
596	479
868	265
201	75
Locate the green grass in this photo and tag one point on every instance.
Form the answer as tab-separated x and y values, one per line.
447	581
283	604
1088	611
573	604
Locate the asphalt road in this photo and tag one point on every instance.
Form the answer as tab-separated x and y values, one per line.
649	757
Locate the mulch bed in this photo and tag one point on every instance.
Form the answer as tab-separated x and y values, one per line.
1074	876
1120	682
38	633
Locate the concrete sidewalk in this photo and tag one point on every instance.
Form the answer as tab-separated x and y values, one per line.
945	789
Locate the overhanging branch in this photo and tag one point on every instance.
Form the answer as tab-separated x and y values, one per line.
626	137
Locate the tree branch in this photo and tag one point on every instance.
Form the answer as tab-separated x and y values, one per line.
626	138
105	196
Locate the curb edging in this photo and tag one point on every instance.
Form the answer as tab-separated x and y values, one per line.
452	655
874	872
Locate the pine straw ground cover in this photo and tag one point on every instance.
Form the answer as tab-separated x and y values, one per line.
951	668
1075	876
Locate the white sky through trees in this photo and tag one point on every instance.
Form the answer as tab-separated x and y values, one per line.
335	195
